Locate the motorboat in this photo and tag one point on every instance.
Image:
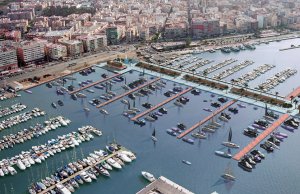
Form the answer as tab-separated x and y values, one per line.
113	163
62	188
199	135
148	176
85	177
245	165
171	132
60	103
186	162
53	105
188	140
103	111
223	154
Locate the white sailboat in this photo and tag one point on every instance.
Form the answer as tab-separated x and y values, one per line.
228	175
229	143
153	136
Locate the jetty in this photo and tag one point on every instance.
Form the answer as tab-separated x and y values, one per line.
161	104
206	119
262	136
85	169
126	93
94	83
294	94
289	48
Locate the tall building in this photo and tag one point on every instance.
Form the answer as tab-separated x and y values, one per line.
8	56
205	27
31	51
93	43
56	51
74	47
112	35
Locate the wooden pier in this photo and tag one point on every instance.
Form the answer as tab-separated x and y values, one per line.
161	104
262	136
94	83
294	94
126	93
206	119
85	169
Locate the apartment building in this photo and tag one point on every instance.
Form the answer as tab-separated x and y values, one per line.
56	51
8	56
31	51
74	47
93	43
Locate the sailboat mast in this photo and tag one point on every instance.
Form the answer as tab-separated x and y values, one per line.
230	135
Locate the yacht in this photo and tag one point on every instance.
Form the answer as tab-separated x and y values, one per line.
62	189
85	177
148	176
113	163
223	154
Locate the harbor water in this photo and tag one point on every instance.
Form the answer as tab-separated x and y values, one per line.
276	174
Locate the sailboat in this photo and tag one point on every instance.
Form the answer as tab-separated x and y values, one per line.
229	143
153	136
228	175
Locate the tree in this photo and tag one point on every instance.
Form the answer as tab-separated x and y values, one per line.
276	94
188	42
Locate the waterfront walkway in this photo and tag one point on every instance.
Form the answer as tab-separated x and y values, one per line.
294	93
94	83
85	169
161	104
206	119
126	93
262	136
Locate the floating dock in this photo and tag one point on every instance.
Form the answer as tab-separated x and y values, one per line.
164	185
206	119
262	136
85	169
161	104
294	93
126	93
94	83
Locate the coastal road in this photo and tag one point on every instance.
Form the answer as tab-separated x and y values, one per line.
80	62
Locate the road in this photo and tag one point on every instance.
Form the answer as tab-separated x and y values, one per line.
80	62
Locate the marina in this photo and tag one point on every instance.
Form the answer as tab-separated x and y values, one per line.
161	104
93	84
94	169
127	93
262	136
184	133
180	161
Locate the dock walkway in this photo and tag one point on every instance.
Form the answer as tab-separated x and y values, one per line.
262	136
294	93
206	119
77	173
161	104
126	93
94	83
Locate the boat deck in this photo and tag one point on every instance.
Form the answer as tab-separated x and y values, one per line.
206	119
126	93
161	104
262	136
294	93
77	173
94	83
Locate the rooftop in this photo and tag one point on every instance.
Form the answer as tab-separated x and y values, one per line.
164	186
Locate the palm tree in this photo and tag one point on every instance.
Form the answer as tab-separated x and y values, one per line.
291	97
295	102
232	82
193	71
205	73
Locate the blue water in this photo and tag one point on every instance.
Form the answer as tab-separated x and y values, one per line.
263	54
276	174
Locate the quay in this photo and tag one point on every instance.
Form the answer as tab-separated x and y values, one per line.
161	104
94	83
85	169
262	136
206	119
292	47
126	93
293	94
164	185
